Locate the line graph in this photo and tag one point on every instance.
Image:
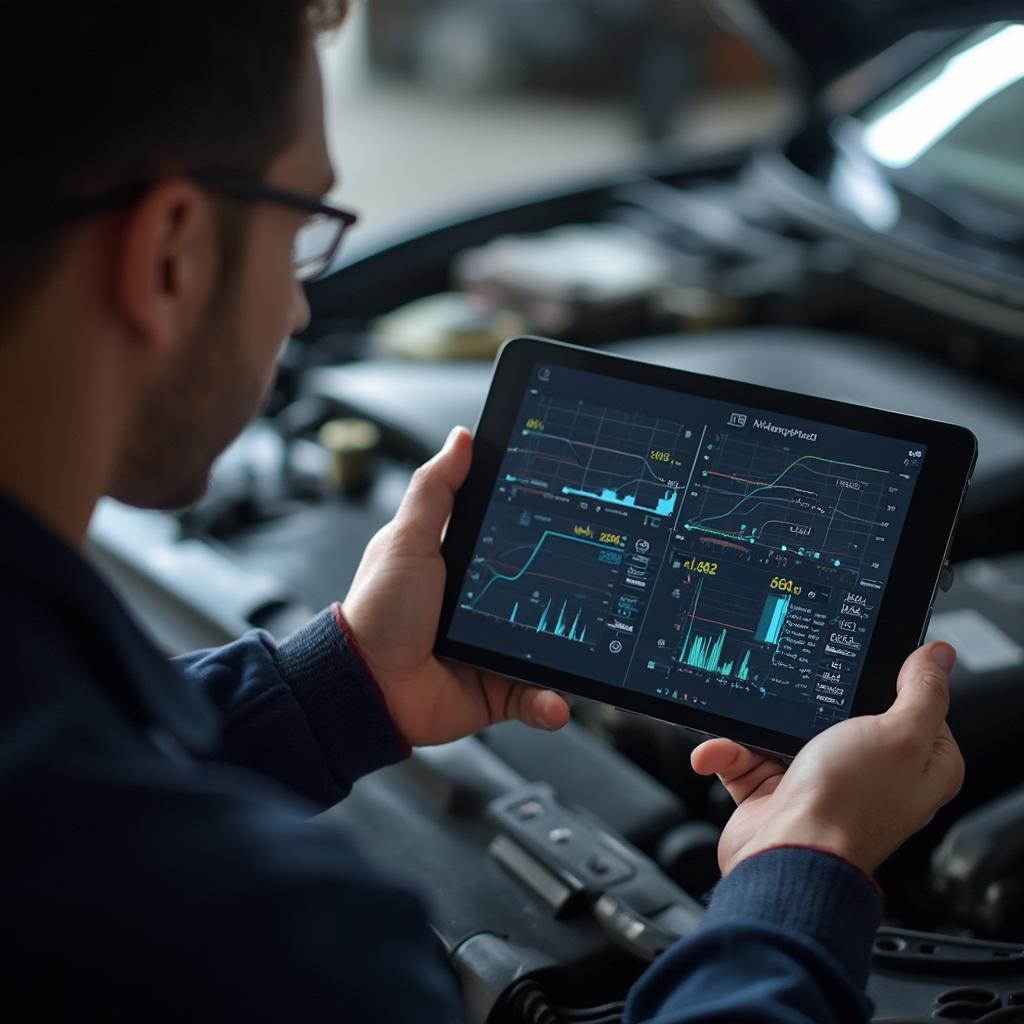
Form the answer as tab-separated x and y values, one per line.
532	555
759	493
576	631
705	652
575	446
713	626
540	576
596	454
735	633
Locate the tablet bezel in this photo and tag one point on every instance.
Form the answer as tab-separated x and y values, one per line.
905	608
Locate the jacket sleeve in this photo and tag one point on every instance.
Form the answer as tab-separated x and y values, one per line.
199	895
305	711
786	940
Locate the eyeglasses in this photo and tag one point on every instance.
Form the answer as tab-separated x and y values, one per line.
316	242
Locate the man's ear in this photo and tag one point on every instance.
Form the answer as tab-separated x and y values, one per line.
167	262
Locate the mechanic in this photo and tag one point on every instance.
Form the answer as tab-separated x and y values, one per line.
159	858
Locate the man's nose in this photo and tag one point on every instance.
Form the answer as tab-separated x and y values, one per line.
300	309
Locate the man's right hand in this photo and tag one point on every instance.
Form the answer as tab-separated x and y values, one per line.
860	788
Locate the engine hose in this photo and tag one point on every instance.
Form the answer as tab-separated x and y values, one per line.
527	1004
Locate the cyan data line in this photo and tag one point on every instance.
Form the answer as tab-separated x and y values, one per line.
693	613
575	623
767	487
744	671
560	624
536	550
544	617
665	507
705	654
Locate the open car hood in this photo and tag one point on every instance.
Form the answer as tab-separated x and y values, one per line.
813	42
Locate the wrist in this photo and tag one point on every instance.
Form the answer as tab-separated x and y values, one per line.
802	831
345	628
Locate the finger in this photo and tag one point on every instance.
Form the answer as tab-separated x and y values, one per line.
531	705
543	709
739	769
922	688
719	756
428	501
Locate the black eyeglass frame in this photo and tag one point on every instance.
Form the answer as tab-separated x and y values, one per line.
234	185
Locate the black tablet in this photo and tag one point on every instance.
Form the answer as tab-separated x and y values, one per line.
738	560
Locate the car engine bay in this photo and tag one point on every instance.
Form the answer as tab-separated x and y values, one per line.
560	865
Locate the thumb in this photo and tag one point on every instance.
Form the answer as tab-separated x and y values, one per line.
430	497
922	688
740	770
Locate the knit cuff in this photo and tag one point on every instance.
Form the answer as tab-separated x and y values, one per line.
812	892
340	697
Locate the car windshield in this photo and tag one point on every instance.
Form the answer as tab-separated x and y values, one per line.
947	145
960	120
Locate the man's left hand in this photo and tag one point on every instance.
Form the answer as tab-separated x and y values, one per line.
393	609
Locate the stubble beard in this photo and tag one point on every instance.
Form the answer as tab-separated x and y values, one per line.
212	395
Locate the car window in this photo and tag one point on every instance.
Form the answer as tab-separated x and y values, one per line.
959	120
938	160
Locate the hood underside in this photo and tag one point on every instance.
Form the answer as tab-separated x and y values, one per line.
813	43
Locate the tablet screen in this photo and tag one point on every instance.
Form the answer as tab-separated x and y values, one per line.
687	548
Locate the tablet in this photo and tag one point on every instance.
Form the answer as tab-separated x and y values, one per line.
742	561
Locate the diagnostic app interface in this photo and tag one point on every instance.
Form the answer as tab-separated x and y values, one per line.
719	556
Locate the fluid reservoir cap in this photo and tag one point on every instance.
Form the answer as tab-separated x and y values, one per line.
352	445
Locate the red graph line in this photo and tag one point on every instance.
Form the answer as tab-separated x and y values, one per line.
545	576
741	479
550	458
724	544
728	625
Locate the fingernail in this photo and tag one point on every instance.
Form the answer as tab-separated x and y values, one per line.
943	655
450	440
544	720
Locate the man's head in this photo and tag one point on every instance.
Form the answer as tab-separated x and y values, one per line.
190	291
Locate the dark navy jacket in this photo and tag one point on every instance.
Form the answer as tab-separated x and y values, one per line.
159	862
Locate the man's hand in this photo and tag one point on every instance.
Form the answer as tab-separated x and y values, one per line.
393	608
860	788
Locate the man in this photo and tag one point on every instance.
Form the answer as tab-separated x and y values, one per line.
159	863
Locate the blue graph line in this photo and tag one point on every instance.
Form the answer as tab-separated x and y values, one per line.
768	487
544	537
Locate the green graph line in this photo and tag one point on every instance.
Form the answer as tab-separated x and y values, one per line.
768	487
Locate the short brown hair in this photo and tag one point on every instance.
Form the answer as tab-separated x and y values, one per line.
99	95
